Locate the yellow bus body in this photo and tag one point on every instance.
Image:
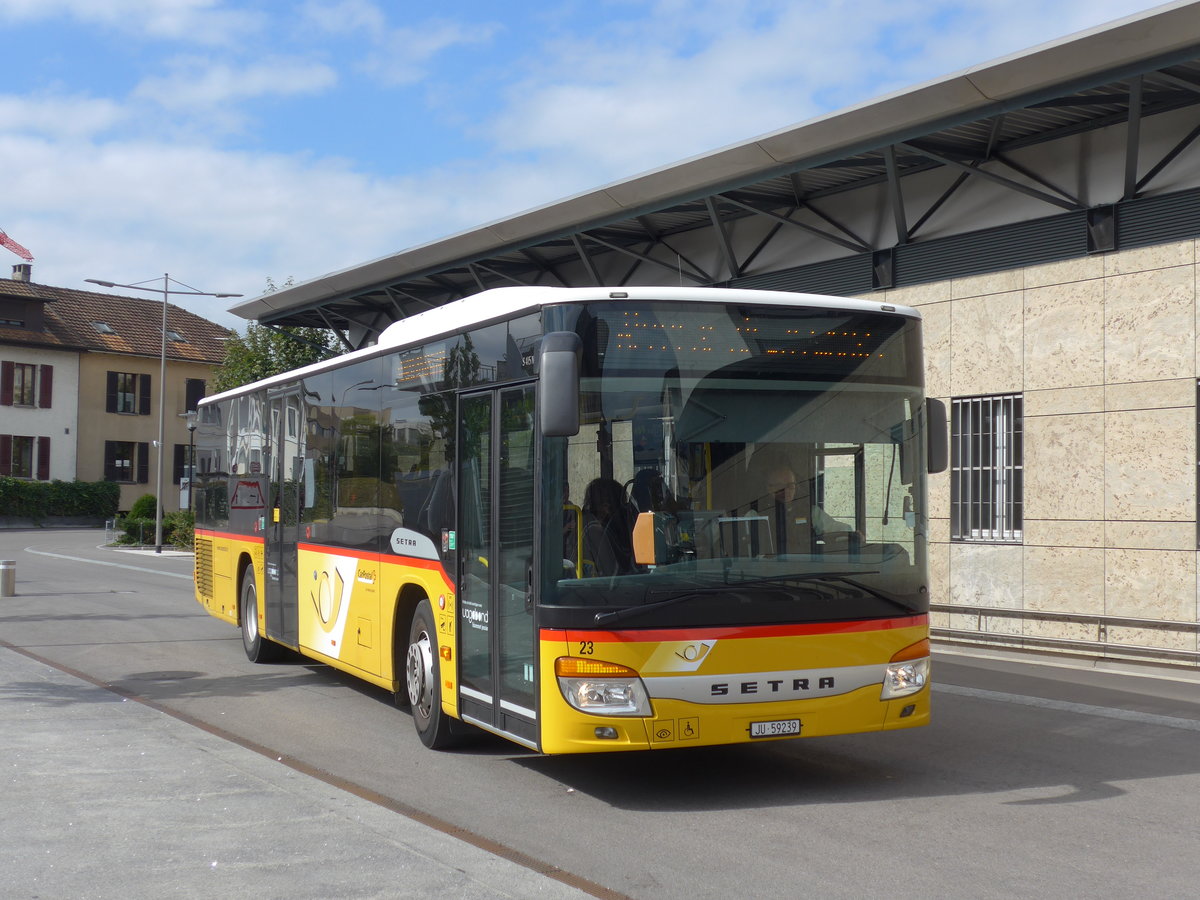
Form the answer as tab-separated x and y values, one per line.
351	617
751	663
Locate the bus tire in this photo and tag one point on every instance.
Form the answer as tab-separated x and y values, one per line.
422	675
258	648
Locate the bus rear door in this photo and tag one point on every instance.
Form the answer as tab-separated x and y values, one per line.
285	471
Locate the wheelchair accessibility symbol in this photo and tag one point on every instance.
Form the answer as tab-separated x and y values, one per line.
666	730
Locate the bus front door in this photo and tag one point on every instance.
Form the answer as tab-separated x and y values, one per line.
495	543
285	471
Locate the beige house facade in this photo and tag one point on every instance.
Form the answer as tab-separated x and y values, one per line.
80	381
134	462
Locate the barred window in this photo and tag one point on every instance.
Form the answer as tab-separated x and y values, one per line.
986	458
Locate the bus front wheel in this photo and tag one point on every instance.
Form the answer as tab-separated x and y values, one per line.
258	648
422	674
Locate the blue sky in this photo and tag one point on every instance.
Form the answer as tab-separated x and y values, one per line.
228	141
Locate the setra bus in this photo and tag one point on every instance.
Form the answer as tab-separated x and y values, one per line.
592	519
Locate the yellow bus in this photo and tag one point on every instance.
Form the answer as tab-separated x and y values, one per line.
592	519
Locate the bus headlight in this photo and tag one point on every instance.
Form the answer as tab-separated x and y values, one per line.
904	678
602	688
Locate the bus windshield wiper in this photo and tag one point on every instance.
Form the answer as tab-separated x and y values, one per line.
629	612
843	577
866	589
804	576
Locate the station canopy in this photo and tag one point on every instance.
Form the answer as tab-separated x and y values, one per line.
688	223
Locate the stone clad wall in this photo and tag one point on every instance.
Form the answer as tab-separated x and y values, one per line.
1104	351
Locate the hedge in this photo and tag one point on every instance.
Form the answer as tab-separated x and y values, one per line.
37	500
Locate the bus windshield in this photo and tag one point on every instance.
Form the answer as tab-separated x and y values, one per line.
770	460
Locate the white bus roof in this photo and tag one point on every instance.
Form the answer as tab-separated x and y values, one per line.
508	302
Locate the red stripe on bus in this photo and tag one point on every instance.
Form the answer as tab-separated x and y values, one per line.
413	562
230	536
734	631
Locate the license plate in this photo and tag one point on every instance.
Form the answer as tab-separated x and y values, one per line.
774	729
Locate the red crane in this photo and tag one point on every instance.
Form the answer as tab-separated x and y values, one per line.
6	241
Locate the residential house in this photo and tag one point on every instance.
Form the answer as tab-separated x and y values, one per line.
80	376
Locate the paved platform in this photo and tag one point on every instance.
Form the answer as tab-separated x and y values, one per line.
105	797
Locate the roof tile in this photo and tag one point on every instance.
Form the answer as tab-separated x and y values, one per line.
136	321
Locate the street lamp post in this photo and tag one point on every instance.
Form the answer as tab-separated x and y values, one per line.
190	415
166	292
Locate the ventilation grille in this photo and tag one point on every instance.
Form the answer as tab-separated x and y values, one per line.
204	568
993	249
1140	223
1158	220
850	275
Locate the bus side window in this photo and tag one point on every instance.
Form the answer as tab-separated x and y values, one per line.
438	511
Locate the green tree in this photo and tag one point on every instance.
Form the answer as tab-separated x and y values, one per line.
262	352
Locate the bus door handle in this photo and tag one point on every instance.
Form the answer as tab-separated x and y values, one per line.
529	586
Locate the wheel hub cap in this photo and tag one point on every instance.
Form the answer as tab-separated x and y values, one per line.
420	674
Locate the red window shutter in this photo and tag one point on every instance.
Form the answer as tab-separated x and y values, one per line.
5	454
43	458
46	387
6	384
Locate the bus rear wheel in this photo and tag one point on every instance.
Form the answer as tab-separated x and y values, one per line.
258	648
422	673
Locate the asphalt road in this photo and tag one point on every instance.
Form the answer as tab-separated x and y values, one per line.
1033	781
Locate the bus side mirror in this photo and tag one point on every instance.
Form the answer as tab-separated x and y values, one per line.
559	411
936	439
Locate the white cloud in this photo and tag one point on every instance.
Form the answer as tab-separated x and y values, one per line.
344	16
396	55
699	75
403	55
58	116
223	221
198	21
612	101
196	82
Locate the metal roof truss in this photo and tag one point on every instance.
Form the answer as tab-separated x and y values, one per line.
689	241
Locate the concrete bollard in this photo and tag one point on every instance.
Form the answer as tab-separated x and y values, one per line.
8	577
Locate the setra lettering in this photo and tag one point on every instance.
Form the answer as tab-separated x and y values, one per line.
771	686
